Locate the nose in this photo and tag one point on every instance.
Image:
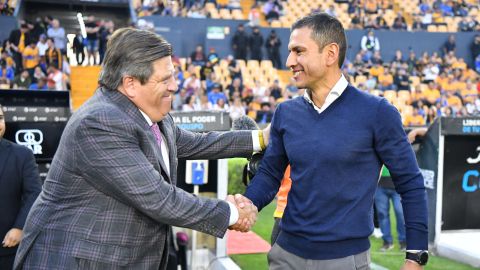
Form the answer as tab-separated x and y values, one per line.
291	61
172	86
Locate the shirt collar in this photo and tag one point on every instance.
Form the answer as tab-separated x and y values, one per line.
334	93
149	121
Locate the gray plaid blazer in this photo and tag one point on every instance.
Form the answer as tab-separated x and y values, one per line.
108	201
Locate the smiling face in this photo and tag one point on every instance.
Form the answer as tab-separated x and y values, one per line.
154	97
305	59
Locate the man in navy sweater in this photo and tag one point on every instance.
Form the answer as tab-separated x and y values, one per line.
336	139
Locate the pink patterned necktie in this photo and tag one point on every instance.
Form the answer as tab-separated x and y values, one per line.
156	131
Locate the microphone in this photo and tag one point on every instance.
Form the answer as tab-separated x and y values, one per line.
244	123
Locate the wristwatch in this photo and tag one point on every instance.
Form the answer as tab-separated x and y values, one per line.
420	257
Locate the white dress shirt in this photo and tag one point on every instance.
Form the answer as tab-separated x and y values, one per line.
334	93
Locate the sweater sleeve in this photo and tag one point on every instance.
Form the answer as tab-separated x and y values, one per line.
264	186
394	150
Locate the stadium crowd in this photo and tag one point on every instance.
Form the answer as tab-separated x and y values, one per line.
422	87
34	56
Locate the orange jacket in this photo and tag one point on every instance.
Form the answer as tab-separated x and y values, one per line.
283	194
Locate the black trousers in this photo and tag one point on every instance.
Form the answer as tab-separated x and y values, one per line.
6	262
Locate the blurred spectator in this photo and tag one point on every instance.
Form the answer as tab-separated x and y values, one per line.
256	44
104	34
221	105
371	6
265	114
42	46
38	74
399	23
466	24
6	72
449	45
216	94
380	22
259	90
235	89
55	78
92	29
385	80
239	43
197	57
430	73
275	90
179	99
417	24
356	22
402	80
205	105
273	49
331	11
237	109
427	19
205	71
475	47
212	56
78	48
197	11
57	33
31	57
192	85
19	39
234	68
376	58
370	43
38	29
415	119
22	81
53	55
41	84
271	9
254	16
190	104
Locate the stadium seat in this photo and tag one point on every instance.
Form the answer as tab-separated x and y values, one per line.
404	95
276	24
432	28
390	95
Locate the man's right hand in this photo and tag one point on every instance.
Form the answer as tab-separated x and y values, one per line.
247	213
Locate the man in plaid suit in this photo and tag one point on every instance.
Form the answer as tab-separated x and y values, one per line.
110	197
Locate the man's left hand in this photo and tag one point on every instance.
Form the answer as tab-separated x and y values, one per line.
12	238
411	265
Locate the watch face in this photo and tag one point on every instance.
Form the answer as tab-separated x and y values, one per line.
423	258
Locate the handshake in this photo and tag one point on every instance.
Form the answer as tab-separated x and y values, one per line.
247	213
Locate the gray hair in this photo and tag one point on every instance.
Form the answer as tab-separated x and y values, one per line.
131	52
325	30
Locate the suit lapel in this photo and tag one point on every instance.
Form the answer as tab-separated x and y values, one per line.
5	149
131	110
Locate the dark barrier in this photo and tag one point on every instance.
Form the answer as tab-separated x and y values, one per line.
36	119
450	160
186	33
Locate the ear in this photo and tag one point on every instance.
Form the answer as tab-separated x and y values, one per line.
332	52
129	86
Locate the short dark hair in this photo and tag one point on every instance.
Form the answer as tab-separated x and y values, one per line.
131	52
325	30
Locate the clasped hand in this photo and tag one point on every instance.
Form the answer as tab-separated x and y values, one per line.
247	213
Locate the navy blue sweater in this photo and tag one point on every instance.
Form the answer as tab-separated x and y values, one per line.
335	159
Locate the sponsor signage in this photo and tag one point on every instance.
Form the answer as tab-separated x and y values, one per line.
202	121
461	183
